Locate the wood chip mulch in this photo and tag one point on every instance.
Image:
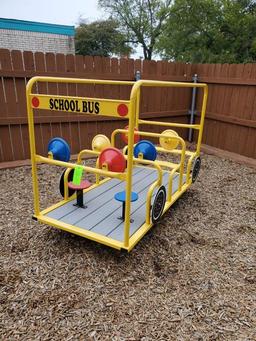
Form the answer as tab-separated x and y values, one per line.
192	277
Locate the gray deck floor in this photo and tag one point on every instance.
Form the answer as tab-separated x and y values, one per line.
102	212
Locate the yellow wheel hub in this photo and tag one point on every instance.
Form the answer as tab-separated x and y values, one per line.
100	142
169	143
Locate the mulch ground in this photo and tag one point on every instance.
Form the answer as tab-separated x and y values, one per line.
192	277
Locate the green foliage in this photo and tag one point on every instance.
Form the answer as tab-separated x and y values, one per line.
140	20
100	38
200	31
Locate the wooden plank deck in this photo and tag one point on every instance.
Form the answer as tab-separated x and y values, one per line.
102	210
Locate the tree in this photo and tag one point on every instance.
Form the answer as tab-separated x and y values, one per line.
140	20
238	28
100	38
201	31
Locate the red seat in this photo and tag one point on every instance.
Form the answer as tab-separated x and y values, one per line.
83	185
79	191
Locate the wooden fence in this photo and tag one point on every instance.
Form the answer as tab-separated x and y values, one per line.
231	109
230	121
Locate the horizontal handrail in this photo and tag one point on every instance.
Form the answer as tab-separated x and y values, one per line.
46	79
146	133
171	124
42	159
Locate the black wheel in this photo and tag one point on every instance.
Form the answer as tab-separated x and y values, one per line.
70	178
196	168
158	205
126	153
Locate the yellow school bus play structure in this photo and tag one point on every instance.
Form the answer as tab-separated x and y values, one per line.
133	181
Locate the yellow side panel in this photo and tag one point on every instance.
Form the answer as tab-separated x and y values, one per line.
93	106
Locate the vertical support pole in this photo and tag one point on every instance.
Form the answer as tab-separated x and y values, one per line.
182	159
80	198
192	109
128	190
123	210
97	176
137	75
32	144
200	134
137	114
137	78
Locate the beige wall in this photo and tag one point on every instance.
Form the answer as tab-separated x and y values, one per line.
36	41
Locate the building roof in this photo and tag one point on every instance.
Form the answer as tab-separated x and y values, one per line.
33	26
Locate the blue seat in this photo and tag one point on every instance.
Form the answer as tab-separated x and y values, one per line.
121	196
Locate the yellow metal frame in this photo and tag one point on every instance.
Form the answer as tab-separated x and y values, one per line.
109	108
